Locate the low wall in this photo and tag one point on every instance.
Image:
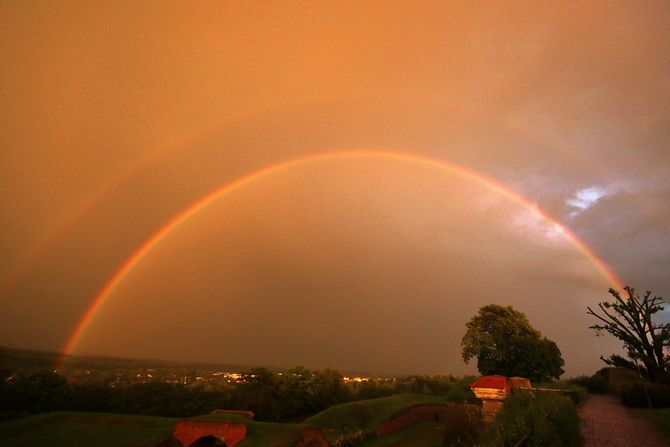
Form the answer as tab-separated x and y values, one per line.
187	432
312	437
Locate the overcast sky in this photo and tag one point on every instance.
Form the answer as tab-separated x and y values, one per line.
116	117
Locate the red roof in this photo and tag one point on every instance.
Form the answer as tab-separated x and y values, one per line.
496	382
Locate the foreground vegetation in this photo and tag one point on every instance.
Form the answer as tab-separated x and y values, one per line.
112	430
370	414
85	429
357	421
542	419
289	395
295	394
549	418
98	429
285	402
661	417
422	434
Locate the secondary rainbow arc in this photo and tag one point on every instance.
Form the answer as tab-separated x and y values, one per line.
42	247
145	248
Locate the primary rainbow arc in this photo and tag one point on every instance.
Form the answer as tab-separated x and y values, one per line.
145	248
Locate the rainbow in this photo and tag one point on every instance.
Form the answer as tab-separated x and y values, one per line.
40	250
145	248
43	246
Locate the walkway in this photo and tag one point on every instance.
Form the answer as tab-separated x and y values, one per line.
607	423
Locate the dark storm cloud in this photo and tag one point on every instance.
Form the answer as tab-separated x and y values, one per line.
632	230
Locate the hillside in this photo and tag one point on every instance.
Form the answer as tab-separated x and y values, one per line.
113	430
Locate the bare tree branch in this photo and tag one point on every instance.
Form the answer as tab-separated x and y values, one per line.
631	321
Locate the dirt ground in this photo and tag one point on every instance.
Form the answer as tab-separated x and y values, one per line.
607	423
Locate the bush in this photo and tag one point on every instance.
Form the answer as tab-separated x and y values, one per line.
463	425
548	419
596	384
348	438
634	396
576	393
460	392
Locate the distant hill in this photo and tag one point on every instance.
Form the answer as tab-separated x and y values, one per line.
31	359
36	359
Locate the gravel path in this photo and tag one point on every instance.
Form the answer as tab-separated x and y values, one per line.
607	423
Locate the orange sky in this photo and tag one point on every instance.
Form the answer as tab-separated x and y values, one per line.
115	117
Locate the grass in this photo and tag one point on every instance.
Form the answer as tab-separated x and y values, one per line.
224	417
372	413
367	415
269	434
661	417
84	429
421	434
113	430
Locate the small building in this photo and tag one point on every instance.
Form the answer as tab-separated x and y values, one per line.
493	390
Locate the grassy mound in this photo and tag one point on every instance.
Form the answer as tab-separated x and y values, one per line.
422	434
112	430
84	429
372	413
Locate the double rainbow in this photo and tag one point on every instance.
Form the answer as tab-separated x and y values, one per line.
147	246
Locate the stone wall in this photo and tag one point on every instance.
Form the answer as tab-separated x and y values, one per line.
187	432
312	437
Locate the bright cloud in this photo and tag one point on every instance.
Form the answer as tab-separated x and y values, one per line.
585	198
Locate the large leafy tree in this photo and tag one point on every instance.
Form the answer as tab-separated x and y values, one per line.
631	319
504	342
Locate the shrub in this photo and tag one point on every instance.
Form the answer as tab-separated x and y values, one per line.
460	392
463	425
576	393
596	384
346	438
548	419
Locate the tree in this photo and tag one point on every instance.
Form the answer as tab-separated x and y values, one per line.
631	320
262	393
297	400
327	388
504	342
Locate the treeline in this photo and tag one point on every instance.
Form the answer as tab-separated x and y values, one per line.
289	395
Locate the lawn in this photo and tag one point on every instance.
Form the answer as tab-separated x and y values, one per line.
370	414
113	430
422	434
269	434
84	429
661	417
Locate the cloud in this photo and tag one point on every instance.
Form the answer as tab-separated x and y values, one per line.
586	197
630	230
